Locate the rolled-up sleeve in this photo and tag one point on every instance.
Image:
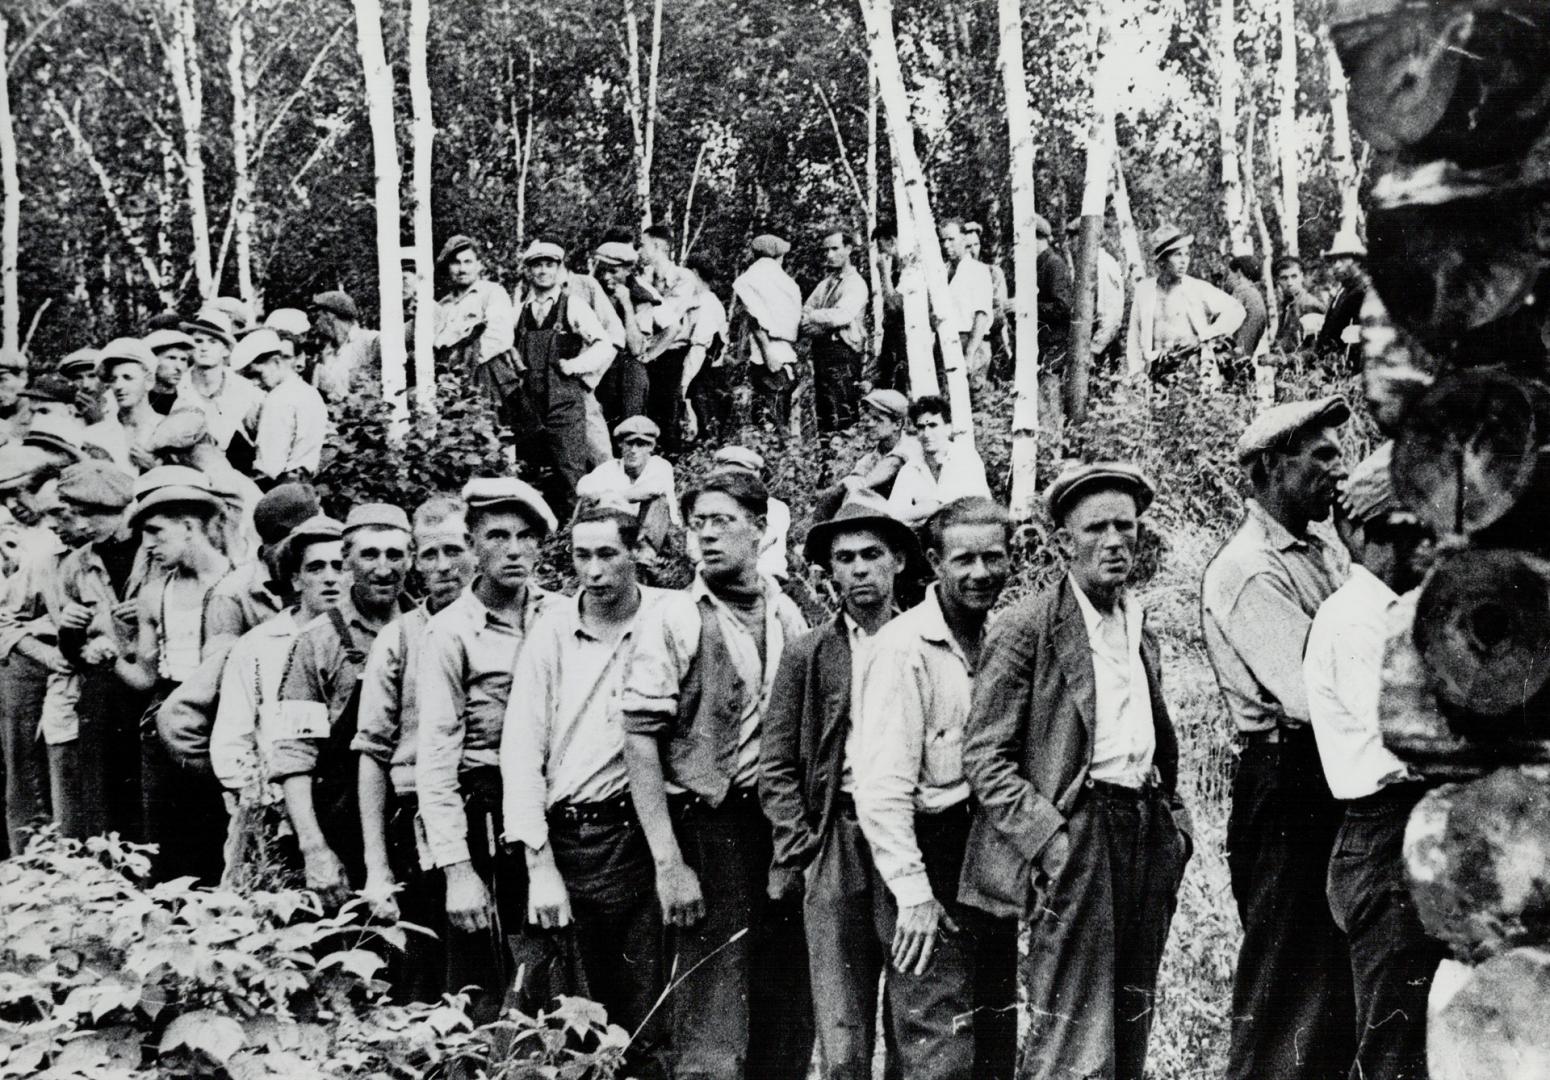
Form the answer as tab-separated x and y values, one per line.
442	697
306	679
666	640
1268	629
500	323
525	740
234	754
376	729
277	422
890	740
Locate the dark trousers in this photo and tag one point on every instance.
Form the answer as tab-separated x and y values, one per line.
622	390
554	446
664	396
742	1008
1097	936
417	972
837	376
957	1021
610	878
22	754
1392	958
773	395
1293	1012
183	812
711	395
891	370
484	963
845	959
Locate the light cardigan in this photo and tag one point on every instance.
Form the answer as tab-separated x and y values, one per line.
1211	314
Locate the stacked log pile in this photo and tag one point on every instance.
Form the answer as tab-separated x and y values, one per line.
1454	98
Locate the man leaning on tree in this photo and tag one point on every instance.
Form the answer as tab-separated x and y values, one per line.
1074	766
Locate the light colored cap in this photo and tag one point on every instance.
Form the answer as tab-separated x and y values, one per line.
80	358
769	246
888	402
740	457
543	249
289	320
256	346
126	350
239	311
18	462
638	425
1166	238
64	434
483	492
1278	424
183	429
212	322
376	516
157	340
617	253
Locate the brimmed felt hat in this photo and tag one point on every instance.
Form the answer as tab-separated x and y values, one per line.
212	322
1277	425
862	510
1166	238
158	340
484	492
172	485
1078	480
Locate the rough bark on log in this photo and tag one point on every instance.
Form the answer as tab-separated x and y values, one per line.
1478	859
1494	1027
1396	370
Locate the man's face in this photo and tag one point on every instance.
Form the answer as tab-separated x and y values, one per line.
169	539
464	268
729	534
1176	262
542	274
1309	472
129	383
971	245
445	559
863	567
86	381
836	252
881	427
13	380
21	503
1343	267
1098	540
42	505
378	560
612	275
82	523
506	545
210	352
269	371
171	363
887	245
973	565
634	452
604	566
1289	279
53	408
933	432
952	241
319	581
654	250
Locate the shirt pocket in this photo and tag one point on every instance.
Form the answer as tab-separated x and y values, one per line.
944	755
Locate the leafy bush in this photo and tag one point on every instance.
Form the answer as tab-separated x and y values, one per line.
100	978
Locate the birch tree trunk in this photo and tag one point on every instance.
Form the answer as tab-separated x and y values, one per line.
242	130
874	278
384	146
917	312
10	208
643	102
1025	263
188	86
1286	125
1228	79
1129	238
878	16
423	140
166	204
1342	156
522	134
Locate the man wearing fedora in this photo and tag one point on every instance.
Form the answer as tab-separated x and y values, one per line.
1073	762
807	785
1340	337
1177	322
1292	1007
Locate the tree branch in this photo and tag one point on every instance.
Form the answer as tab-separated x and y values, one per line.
37	316
839	141
301	86
32	35
139	107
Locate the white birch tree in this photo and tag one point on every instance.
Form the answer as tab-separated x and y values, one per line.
182	51
642	100
1286	125
1229	78
423	141
243	124
10	207
1342	154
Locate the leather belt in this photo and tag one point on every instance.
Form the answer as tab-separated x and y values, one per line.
604	812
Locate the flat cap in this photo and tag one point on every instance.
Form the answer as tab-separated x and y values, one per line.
318	527
157	340
1368	492
483	492
769	245
61	434
543	249
126	350
739	457
212	322
453	246
256	346
376	516
96	483
289	320
637	425
617	253
281	509
164	476
18	462
172	486
79	360
1166	238
337	303
239	311
1280	423
51	387
888	402
182	429
1078	480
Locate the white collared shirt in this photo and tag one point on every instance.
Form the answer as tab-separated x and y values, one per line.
860	649
1124	738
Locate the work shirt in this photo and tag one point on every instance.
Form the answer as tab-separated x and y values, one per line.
1295	307
387	726
485	304
291	428
241	739
242	600
1343	670
667	639
972	292
1258	599
860	649
904	451
465	667
226	410
1247	337
1124	738
656	478
24	594
906	747
917	494
356	364
837	305
707	323
563	740
598	346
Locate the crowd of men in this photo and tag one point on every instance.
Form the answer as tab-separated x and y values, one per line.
797	828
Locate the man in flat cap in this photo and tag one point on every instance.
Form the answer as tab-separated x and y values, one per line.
640	480
1393	959
884	413
565	350
351	355
807	783
320	701
1108	289
1074	764
475	320
293	420
1176	321
832	322
973	295
566	792
694	703
174	352
127	369
1292	1008
465	668
228	401
770	302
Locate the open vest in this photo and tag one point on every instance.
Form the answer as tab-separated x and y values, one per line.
702	751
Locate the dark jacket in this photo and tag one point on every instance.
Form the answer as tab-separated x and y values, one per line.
802	748
1029	743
